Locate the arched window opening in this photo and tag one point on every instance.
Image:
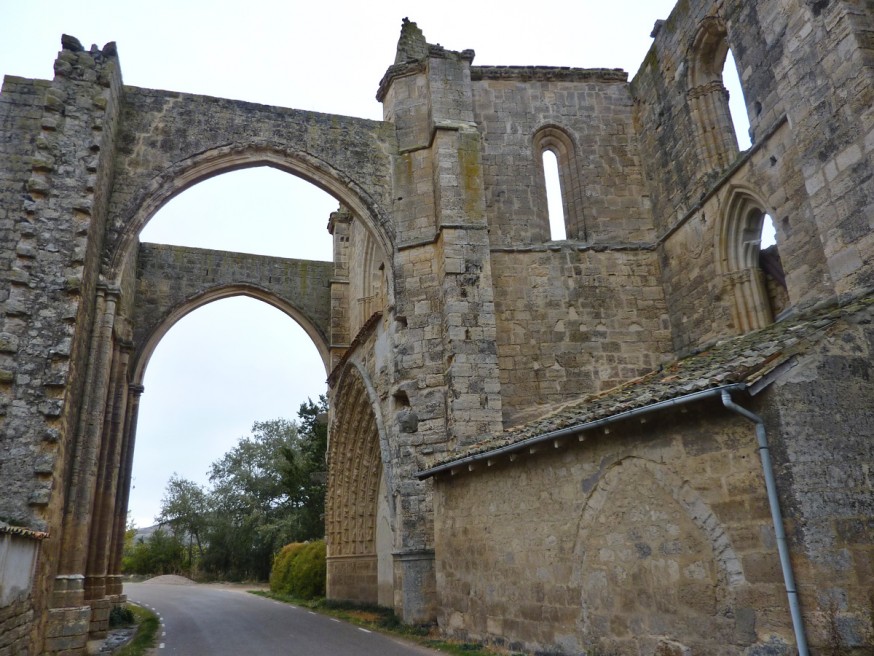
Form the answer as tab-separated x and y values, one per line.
752	270
772	268
554	205
560	188
708	97
737	106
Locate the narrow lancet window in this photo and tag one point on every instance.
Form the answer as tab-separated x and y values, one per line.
554	203
736	104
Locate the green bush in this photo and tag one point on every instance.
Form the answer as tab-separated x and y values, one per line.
299	570
281	570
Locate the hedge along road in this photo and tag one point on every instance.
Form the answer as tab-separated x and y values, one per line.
210	620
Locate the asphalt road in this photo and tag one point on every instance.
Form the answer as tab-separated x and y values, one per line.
205	620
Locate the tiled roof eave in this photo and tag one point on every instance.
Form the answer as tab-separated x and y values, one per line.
577	429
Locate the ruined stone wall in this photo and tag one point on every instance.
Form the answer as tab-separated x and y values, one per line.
62	160
823	438
806	73
589	315
572	323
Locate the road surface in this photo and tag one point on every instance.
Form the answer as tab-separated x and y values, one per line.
207	620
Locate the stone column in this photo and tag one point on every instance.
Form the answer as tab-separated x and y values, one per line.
69	615
126	459
103	522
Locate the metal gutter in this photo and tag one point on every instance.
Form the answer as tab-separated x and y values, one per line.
570	431
776	518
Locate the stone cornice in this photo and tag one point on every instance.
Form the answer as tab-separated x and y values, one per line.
548	73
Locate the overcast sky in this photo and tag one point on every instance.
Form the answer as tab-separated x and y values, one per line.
237	361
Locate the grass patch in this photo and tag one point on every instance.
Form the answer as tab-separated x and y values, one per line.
377	618
147	628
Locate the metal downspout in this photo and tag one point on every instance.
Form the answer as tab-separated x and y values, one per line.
776	518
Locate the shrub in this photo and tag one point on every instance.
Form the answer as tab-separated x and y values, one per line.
299	570
120	616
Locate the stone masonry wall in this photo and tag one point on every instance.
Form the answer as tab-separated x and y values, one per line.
630	539
593	108
806	73
171	279
824	442
572	323
16	620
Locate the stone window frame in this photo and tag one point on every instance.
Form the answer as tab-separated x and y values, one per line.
739	244
707	97
558	141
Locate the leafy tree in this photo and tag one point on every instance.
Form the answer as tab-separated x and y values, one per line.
250	502
304	471
162	553
184	509
267	491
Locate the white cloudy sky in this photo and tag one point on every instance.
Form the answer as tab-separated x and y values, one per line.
237	361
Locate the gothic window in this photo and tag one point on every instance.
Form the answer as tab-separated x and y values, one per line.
753	274
554	204
554	151
717	143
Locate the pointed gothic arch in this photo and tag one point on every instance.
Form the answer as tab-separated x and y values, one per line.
138	210
356	475
708	98
692	552
738	258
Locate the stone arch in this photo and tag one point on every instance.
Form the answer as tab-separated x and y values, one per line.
738	248
708	98
182	175
637	557
357	471
157	332
557	140
367	278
